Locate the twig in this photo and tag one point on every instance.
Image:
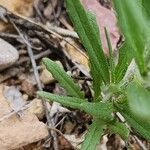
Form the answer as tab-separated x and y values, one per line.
37	10
59	132
53	11
26	106
7	116
22	37
30	24
82	78
60	121
30	52
40	88
140	143
14	71
8	35
50	128
38	56
62	31
41	26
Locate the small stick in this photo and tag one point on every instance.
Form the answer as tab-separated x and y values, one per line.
40	88
31	55
38	56
140	143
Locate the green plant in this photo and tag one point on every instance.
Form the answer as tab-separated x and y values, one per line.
125	86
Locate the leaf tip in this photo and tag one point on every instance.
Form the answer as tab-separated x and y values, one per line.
39	93
44	60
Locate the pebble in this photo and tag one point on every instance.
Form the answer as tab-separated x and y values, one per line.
46	77
8	55
36	108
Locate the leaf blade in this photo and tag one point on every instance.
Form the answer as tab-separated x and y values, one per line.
142	127
99	110
88	37
67	101
125	58
111	58
64	80
120	129
139	100
93	136
134	27
97	81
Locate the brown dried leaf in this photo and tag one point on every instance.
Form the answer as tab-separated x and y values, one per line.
77	56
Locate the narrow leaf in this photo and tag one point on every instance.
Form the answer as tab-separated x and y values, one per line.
134	27
67	101
92	20
64	80
120	129
98	110
96	82
88	37
93	136
139	100
125	57
146	11
111	58
94	72
139	125
146	6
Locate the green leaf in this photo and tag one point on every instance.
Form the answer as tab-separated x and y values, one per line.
146	6
67	101
111	58
64	80
134	27
125	57
141	126
92	20
120	129
99	110
89	37
94	72
96	82
139	100
93	136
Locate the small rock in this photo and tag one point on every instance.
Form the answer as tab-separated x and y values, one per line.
36	108
55	108
28	87
8	55
25	97
27	76
69	126
74	140
46	77
16	131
